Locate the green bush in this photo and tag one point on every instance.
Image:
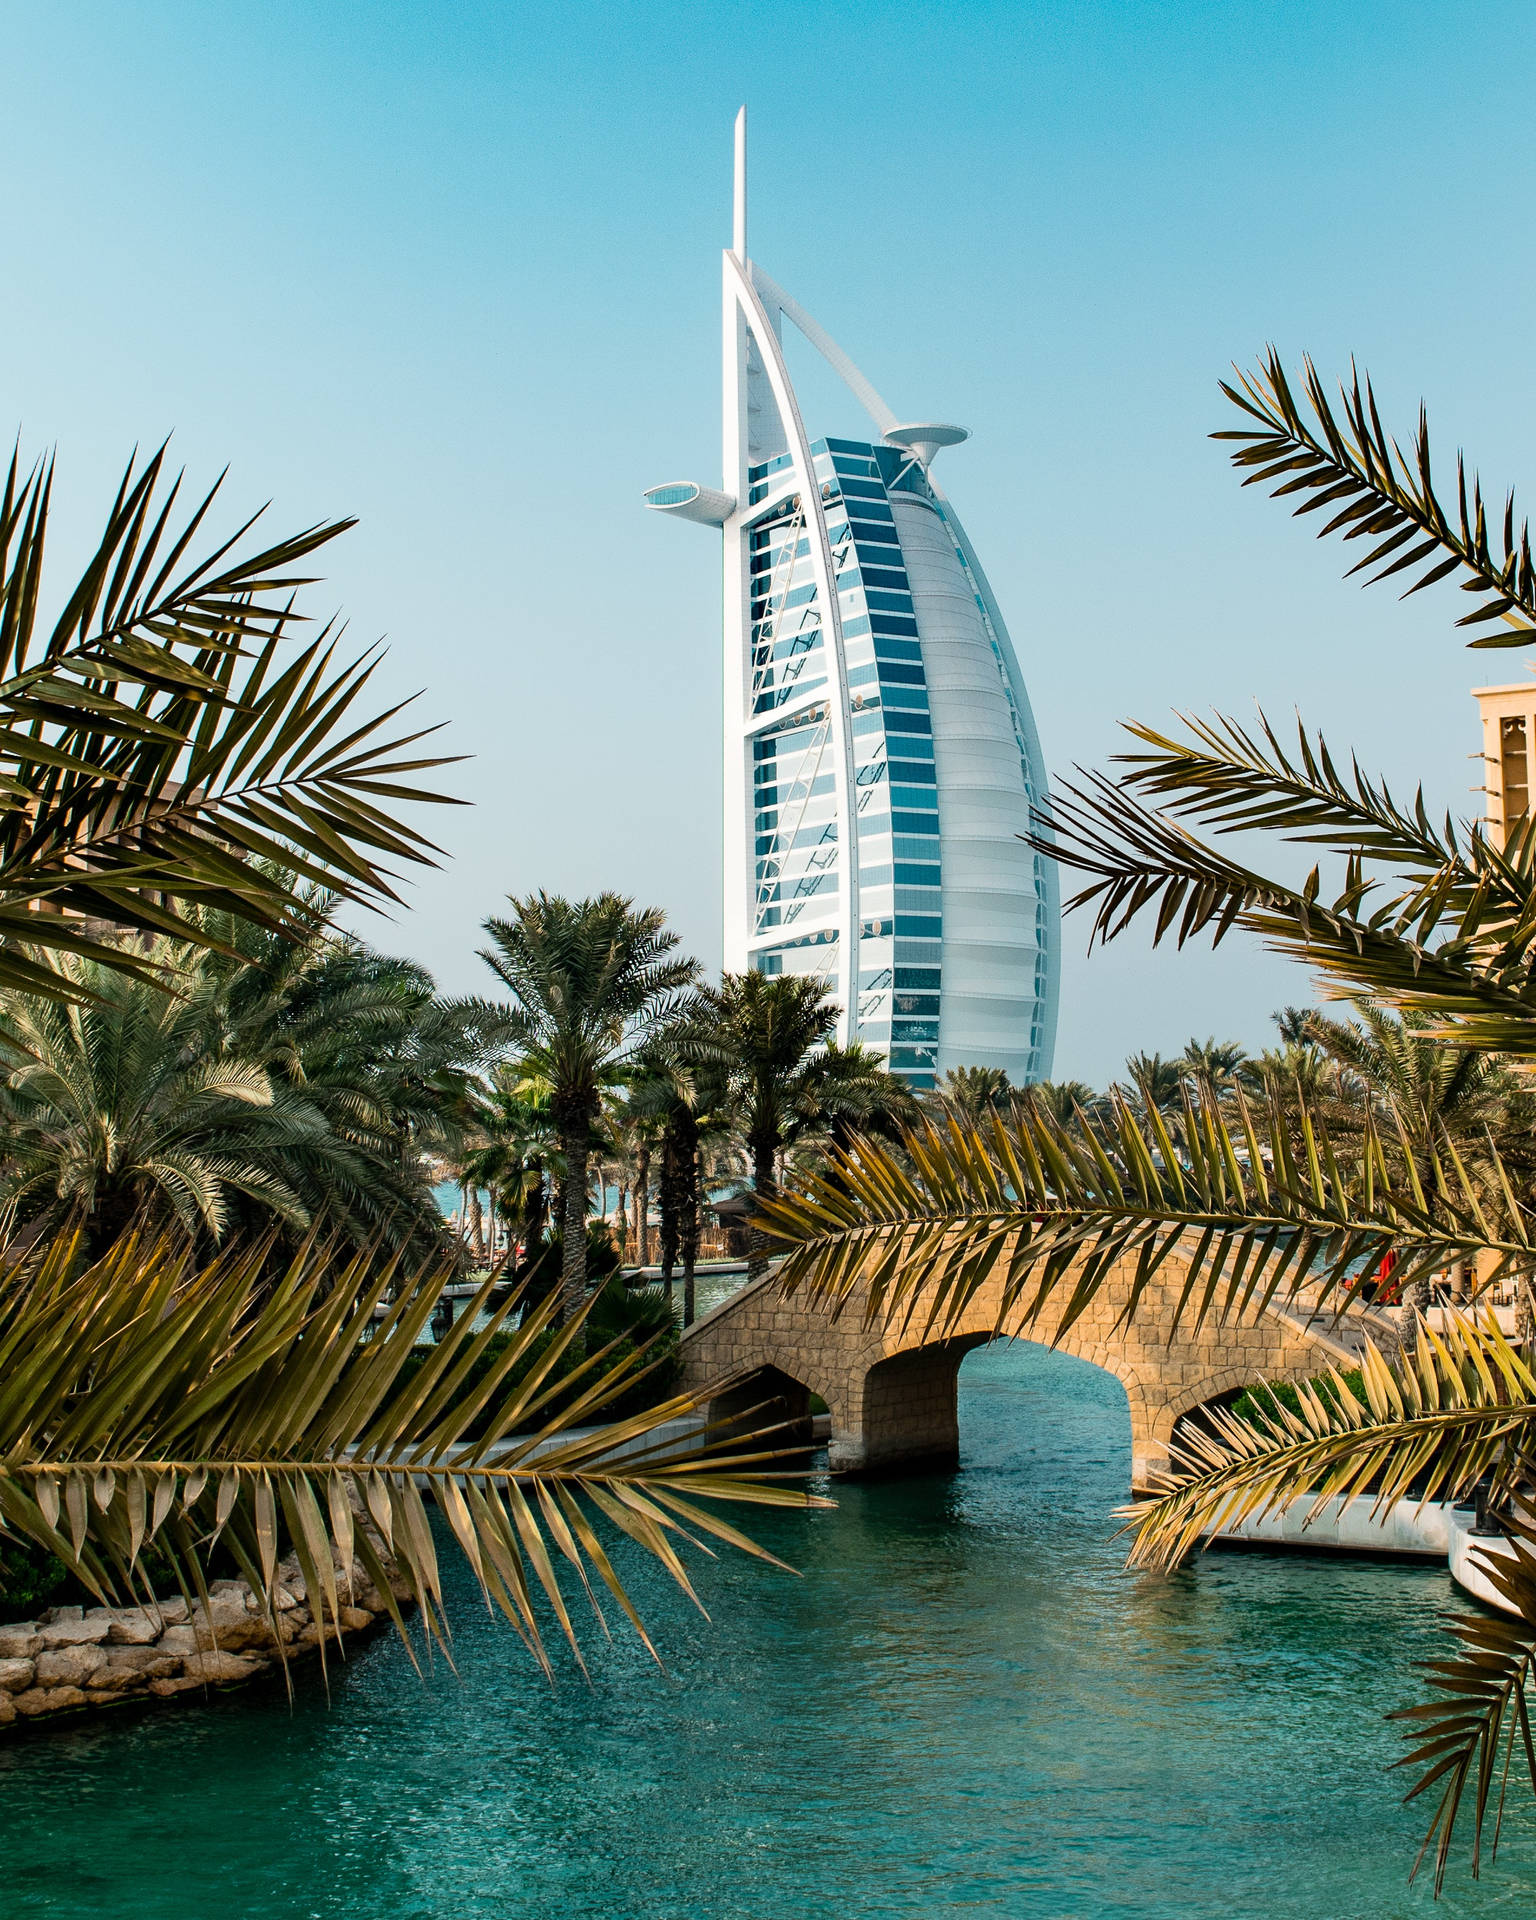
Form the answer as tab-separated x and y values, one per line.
31	1578
633	1317
1254	1402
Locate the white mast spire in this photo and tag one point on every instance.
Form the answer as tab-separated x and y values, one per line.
739	224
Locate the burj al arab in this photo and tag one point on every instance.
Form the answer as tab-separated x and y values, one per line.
881	758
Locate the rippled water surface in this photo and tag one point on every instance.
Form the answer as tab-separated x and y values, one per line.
964	1707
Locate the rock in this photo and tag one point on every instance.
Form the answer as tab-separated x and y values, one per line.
181	1641
136	1627
287	1600
173	1611
260	1637
225	1624
39	1700
57	1616
352	1618
148	1663
16	1675
68	1666
7	1710
106	1614
115	1678
20	1641
163	1689
215	1669
74	1633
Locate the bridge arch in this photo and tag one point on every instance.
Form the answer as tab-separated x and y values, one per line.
890	1386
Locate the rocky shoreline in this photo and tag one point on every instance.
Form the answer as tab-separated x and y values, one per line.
72	1659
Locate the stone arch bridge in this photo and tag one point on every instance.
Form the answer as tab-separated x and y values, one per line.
890	1388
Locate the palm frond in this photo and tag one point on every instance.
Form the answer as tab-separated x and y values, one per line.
1461	1407
1349	466
1473	1738
1456	943
148	1402
1256	1199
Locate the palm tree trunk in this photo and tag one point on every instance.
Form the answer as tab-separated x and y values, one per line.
688	1223
573	1259
669	1207
476	1223
643	1207
765	1185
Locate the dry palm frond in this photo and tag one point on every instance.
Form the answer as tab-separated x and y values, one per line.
1256	1200
149	1404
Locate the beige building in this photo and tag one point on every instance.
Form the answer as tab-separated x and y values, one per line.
1509	734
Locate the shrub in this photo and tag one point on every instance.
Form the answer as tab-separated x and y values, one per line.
1254	1402
634	1317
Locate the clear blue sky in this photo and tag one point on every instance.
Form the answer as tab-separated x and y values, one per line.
455	269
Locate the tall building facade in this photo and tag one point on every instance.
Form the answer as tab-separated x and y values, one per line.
881	759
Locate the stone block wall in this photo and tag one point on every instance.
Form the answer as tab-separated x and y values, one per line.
71	1658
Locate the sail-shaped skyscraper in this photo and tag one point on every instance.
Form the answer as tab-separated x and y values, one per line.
881	760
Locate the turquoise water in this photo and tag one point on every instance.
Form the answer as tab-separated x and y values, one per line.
963	1708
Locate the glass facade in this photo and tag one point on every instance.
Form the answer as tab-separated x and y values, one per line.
809	850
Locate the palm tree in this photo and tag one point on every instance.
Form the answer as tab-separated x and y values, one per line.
310	1078
151	1404
975	1091
114	1107
510	1151
390	1066
588	978
1213	1063
849	1091
670	1094
1066	1101
1425	1095
764	1031
1431	921
160	754
1153	1085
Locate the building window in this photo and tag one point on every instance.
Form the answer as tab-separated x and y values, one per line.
1513	769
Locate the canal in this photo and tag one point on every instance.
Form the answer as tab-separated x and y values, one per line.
963	1707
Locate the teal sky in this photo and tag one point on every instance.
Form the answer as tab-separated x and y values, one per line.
455	270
